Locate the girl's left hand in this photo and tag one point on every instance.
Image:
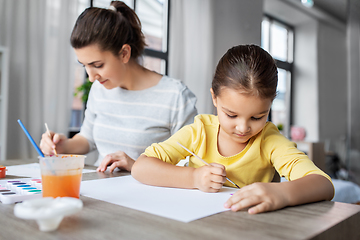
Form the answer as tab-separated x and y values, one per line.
260	197
114	160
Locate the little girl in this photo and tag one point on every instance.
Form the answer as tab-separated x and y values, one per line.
239	143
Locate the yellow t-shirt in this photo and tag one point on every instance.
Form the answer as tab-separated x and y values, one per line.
265	152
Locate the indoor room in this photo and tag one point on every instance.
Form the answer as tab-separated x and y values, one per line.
316	48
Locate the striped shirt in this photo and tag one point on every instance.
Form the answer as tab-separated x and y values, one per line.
129	121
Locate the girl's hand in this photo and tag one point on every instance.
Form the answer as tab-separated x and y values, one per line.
210	178
260	197
55	140
118	159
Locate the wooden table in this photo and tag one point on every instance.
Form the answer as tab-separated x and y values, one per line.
102	220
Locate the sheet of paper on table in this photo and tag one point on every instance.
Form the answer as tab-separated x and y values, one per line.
31	170
183	205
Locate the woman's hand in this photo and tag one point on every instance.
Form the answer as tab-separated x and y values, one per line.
210	178
260	197
118	159
49	143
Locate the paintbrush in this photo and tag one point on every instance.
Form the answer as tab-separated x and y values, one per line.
31	139
48	131
203	161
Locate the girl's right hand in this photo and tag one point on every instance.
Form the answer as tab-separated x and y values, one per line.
55	140
210	178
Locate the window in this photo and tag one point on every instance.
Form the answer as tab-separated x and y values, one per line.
277	39
154	17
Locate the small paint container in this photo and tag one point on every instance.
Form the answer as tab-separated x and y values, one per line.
34	181
20	187
27	189
10	183
8	193
15	185
38	185
34	192
2	171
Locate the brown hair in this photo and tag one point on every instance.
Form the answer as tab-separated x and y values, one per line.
109	29
248	68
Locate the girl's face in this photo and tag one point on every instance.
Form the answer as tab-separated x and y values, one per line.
103	66
241	116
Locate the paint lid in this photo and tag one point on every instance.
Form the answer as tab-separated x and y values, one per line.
48	212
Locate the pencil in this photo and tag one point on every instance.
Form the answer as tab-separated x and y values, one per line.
48	131
203	161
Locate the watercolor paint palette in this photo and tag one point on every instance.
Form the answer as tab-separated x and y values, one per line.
18	190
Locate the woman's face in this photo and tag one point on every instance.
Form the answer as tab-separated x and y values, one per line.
103	66
241	116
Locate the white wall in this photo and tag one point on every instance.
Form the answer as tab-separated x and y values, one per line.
201	32
332	75
236	22
353	50
191	47
305	103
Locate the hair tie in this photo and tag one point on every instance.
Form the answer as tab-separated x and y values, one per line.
111	7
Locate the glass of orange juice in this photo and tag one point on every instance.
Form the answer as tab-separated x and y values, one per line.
61	175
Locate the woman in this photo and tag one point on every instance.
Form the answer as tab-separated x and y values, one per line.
129	107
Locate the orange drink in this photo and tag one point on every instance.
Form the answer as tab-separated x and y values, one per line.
61	175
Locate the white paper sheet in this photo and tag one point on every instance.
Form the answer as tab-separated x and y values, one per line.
31	170
179	204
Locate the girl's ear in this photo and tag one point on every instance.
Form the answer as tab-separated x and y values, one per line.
213	97
125	53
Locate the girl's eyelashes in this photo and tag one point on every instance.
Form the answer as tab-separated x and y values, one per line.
231	116
256	119
252	118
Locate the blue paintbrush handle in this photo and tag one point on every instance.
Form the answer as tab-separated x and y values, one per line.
31	139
